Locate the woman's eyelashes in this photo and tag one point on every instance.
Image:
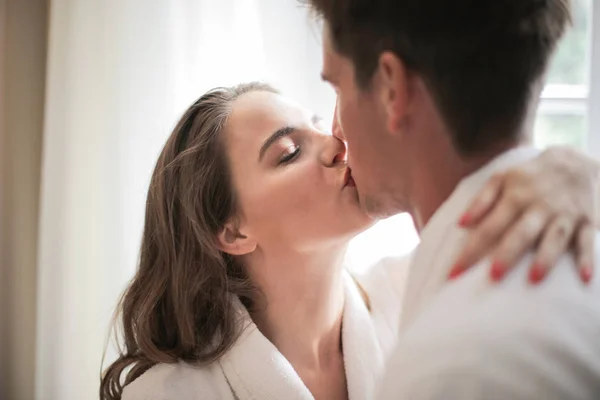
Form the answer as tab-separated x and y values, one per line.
291	153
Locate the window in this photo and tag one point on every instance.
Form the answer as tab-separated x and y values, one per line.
566	108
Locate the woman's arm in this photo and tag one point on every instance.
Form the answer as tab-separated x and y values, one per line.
549	203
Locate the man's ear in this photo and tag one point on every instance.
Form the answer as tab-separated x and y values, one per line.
394	83
231	241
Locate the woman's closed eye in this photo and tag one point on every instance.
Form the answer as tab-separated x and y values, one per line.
290	154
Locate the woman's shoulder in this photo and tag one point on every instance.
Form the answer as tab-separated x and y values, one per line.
181	381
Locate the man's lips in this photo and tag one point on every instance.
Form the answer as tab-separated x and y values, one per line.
348	180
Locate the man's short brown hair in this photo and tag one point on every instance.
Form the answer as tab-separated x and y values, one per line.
480	58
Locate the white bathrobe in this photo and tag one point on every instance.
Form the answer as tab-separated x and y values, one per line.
253	369
472	339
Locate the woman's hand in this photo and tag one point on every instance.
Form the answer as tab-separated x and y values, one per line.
548	203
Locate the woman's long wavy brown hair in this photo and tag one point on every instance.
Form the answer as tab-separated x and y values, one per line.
179	307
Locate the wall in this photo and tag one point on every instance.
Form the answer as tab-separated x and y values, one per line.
22	75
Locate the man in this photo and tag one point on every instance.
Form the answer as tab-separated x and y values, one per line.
434	97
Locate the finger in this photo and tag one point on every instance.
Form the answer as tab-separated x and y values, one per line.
584	251
484	202
521	237
555	242
482	239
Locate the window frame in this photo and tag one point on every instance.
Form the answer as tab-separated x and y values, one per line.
593	133
581	100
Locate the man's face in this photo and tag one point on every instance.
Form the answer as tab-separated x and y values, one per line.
374	154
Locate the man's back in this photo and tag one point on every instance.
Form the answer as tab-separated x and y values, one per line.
472	339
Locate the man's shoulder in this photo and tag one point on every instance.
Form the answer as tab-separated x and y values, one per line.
562	284
475	291
178	381
537	340
515	303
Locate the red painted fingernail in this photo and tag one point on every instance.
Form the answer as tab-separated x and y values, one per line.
498	270
464	220
456	271
537	273
586	274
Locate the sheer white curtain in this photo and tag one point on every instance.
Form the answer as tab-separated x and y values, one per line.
119	74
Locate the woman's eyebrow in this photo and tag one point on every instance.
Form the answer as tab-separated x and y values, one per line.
281	133
275	136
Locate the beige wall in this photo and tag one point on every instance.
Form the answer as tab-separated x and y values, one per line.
23	27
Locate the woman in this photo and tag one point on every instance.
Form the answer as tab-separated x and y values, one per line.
241	291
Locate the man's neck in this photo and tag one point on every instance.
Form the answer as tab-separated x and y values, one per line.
443	176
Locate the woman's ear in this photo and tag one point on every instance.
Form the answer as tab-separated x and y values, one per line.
231	241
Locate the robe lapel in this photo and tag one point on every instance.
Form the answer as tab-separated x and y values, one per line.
256	370
363	358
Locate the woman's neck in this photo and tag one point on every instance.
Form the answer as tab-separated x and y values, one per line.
304	300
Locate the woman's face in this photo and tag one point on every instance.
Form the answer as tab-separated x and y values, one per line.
290	176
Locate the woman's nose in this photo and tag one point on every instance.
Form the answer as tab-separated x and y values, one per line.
336	127
334	151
